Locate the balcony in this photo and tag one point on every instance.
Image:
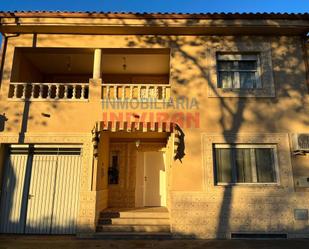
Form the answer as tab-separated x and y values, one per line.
67	74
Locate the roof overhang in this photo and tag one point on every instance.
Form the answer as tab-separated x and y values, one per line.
156	23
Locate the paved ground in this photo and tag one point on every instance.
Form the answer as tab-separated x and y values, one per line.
21	242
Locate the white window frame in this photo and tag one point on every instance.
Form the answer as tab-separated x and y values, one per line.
254	173
235	57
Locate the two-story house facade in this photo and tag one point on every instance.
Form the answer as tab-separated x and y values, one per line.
189	125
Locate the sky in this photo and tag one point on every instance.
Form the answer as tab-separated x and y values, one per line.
190	6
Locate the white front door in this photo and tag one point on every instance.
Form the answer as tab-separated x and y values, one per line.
155	179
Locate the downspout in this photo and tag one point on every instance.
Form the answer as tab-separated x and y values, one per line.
306	59
4	47
2	54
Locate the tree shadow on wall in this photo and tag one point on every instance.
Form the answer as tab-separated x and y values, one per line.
191	53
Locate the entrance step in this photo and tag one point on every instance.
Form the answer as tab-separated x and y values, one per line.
153	222
133	221
127	235
131	213
134	228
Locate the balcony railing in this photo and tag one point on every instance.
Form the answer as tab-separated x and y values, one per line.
152	92
49	91
80	91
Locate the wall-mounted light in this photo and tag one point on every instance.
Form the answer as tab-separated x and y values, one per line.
137	143
69	64
124	65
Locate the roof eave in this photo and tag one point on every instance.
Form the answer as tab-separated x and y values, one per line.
153	23
158	15
95	30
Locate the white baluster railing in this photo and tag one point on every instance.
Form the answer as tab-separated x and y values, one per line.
154	92
80	91
24	90
82	96
49	91
57	92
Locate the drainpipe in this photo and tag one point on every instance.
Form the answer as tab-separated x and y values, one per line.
306	59
3	52
4	46
2	56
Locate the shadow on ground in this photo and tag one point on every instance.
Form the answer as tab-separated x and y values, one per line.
68	242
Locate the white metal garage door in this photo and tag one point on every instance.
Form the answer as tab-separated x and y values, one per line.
40	190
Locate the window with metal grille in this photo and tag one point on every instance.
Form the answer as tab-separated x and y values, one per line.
245	163
238	71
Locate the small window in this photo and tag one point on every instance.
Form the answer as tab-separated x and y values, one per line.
113	170
245	163
238	71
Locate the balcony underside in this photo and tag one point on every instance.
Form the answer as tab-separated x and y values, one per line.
64	74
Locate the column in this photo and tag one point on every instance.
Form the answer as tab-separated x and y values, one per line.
97	63
95	84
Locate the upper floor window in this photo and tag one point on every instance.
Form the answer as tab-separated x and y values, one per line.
245	163
238	71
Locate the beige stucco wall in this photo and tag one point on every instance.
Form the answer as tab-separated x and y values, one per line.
218	211
25	69
284	109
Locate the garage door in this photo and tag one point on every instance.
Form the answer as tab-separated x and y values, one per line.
40	190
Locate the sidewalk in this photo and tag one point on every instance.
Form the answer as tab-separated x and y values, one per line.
64	242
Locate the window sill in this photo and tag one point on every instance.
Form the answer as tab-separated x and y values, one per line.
236	93
247	184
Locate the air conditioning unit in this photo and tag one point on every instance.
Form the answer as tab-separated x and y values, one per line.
300	143
302	182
